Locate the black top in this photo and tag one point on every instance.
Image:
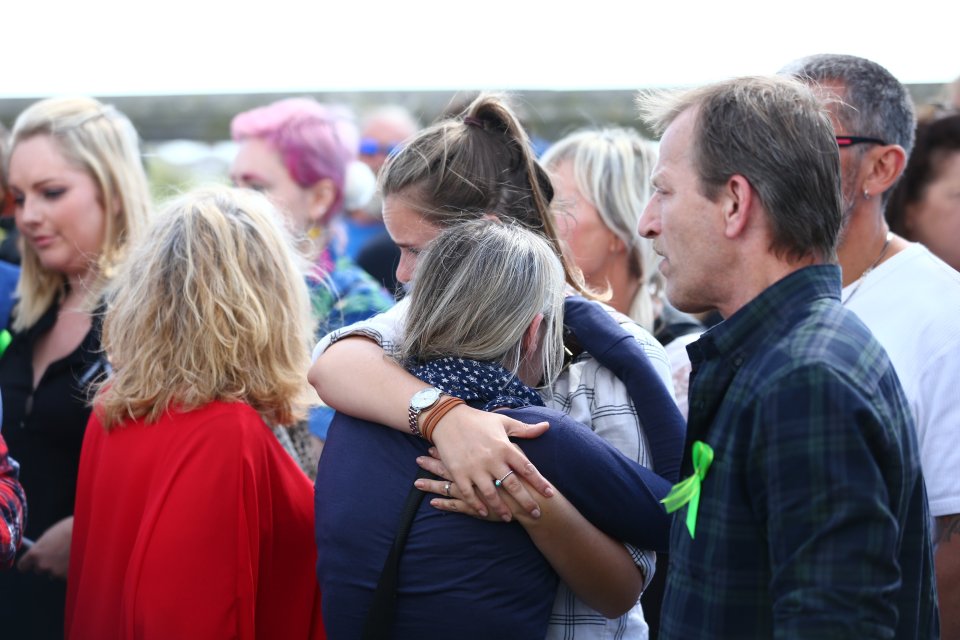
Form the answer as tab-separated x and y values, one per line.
44	426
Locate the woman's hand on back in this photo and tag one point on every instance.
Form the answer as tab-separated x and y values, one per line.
475	450
449	495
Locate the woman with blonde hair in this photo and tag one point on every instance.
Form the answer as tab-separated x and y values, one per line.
602	182
80	196
602	179
299	153
191	519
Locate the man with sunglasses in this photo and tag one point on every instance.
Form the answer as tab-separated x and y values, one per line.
908	298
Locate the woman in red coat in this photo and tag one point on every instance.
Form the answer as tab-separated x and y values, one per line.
191	521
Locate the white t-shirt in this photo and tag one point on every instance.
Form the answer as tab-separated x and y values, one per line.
911	303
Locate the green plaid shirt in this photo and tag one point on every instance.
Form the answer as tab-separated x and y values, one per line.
813	516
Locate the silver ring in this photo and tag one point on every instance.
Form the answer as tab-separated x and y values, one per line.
446	489
499	483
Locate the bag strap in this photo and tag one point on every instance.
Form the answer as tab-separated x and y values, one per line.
381	614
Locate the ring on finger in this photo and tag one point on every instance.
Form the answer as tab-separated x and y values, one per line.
499	482
446	489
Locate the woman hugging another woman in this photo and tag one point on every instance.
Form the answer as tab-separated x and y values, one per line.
486	342
617	380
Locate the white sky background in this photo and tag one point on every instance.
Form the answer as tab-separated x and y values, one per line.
131	47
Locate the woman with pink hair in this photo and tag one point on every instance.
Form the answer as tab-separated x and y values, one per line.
297	151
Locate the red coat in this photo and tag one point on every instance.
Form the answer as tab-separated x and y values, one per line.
198	526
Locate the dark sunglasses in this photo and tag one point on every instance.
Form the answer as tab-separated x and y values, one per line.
849	141
370	147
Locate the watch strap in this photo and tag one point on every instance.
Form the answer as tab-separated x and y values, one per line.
436	413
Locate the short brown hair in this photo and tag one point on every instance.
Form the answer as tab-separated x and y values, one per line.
774	132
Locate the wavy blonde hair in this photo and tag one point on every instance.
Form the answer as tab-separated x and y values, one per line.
100	140
211	305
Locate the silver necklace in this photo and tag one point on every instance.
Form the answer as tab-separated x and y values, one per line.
866	272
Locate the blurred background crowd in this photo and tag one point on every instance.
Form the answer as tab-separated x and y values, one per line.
317	156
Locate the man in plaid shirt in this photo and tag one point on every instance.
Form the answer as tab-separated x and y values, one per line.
806	513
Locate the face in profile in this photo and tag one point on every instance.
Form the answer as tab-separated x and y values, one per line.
685	225
258	166
935	219
58	207
409	231
592	244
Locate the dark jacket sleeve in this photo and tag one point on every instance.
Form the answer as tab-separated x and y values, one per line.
603	338
616	494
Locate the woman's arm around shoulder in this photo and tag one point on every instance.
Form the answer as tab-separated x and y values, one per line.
356	377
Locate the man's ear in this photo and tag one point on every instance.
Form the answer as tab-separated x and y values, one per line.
322	195
736	199
884	164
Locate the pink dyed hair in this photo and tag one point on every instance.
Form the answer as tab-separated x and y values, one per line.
315	141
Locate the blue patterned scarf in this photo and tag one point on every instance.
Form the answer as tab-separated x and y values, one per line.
473	380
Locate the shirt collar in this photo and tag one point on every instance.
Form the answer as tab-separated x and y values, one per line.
766	312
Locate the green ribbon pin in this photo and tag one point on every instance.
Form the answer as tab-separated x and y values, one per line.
5	340
688	491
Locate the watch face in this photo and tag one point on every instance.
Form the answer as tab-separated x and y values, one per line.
424	398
